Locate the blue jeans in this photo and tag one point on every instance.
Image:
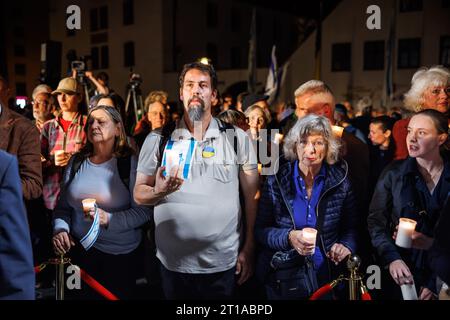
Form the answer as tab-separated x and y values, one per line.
192	286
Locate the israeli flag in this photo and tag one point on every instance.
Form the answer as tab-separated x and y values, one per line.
91	236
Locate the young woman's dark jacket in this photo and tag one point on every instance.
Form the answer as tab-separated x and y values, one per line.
398	195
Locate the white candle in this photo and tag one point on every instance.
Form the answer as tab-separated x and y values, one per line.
405	231
409	291
309	235
278	138
59	155
88	204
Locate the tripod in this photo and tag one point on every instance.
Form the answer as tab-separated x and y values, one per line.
134	94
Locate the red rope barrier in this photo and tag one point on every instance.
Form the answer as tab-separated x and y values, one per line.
321	292
39	268
366	296
94	284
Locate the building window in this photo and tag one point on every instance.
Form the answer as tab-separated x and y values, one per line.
374	55
103	17
444	56
21	89
93	19
95	58
20	69
211	14
19	51
128	12
100	57
408	53
212	53
128	54
104	53
236	61
235	20
99	18
410	5
341	57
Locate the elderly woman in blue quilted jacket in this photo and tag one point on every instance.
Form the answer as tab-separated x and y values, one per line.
310	189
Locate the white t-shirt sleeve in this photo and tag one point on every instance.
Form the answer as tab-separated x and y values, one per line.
149	155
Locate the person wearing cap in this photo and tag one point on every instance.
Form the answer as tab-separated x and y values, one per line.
20	138
65	132
42	105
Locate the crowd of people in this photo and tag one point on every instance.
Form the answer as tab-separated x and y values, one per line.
212	201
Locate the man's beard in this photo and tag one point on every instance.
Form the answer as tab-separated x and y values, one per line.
196	111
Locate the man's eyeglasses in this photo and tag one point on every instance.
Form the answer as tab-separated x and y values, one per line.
44	103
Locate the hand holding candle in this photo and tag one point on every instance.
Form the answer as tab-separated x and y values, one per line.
406	229
88	205
60	157
309	236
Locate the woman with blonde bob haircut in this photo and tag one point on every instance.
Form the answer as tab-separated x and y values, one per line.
310	190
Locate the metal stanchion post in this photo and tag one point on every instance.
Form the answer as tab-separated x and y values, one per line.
353	264
60	283
60	277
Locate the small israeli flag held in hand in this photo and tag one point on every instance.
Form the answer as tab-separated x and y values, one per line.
91	236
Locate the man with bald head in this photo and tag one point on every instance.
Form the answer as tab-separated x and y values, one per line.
317	98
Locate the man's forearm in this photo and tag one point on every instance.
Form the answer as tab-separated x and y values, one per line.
147	195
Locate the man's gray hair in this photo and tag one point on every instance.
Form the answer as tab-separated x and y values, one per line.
314	86
311	125
423	79
42	88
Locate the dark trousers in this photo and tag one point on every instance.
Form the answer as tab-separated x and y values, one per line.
187	286
117	273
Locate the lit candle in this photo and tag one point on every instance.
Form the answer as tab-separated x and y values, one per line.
278	138
259	168
59	156
405	231
337	130
309	235
172	159
88	204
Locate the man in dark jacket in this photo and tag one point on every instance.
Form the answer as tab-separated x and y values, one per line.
20	137
16	257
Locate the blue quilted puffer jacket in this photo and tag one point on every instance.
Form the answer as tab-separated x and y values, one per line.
337	216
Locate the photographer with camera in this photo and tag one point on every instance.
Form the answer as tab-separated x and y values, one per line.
100	82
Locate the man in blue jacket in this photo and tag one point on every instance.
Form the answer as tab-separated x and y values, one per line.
16	257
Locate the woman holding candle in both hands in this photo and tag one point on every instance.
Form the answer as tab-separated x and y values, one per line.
415	188
310	190
112	259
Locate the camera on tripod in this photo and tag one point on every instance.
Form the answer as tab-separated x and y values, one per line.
80	68
135	80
